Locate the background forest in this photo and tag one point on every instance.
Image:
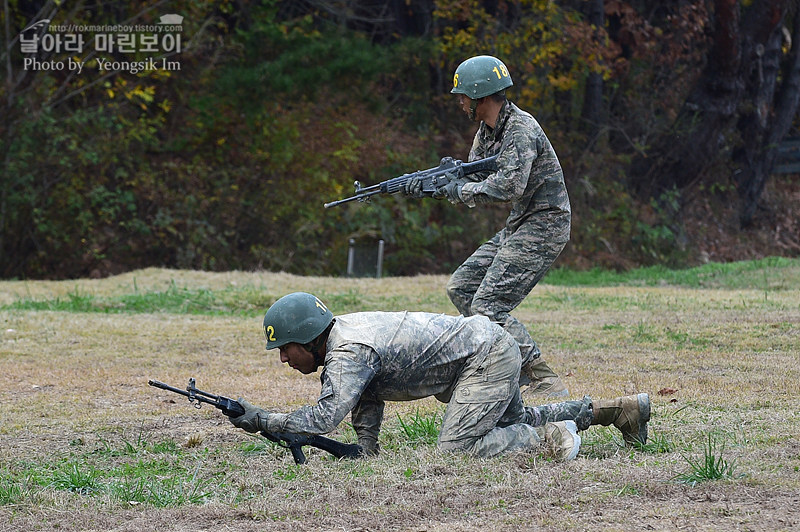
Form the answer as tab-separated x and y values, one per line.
667	115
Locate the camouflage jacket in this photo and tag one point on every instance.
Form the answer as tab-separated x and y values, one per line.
373	357
529	175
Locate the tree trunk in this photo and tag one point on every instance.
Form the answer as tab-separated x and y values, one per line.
736	89
593	96
769	118
708	113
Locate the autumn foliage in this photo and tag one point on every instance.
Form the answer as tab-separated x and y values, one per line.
279	106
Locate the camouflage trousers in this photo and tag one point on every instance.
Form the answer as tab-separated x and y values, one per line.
495	279
486	415
578	411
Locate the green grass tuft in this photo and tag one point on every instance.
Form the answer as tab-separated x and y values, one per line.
711	467
419	429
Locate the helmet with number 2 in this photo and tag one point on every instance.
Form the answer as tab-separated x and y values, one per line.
481	76
297	317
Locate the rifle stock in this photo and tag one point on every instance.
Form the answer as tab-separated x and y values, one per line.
293	442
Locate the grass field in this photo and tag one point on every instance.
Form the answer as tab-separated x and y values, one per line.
86	444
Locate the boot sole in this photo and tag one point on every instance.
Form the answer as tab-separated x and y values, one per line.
576	439
644	416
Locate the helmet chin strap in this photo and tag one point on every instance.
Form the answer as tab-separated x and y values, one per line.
317	346
473	106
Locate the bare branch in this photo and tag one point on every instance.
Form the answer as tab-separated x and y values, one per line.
51	103
38	16
9	70
111	73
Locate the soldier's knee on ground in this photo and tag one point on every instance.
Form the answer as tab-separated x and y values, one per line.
456	446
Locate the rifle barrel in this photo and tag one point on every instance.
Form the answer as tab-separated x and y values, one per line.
163	386
294	442
361	196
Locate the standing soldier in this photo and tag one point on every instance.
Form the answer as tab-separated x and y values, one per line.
469	363
502	272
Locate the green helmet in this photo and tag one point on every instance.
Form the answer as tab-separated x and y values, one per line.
481	76
297	317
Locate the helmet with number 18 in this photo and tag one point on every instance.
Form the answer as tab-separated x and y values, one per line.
481	76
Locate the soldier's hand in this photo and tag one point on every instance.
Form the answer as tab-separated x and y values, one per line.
451	191
413	187
369	446
254	419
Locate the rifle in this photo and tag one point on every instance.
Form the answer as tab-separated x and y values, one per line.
293	442
432	178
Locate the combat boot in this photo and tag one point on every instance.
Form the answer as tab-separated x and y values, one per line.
561	440
543	380
629	414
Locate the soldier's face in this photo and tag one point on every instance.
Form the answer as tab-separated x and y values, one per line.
298	358
465	102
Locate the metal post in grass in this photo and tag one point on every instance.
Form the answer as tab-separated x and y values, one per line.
363	257
379	266
351	257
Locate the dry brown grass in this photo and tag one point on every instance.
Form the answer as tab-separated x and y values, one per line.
728	362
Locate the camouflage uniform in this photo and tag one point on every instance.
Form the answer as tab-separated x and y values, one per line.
469	363
503	271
